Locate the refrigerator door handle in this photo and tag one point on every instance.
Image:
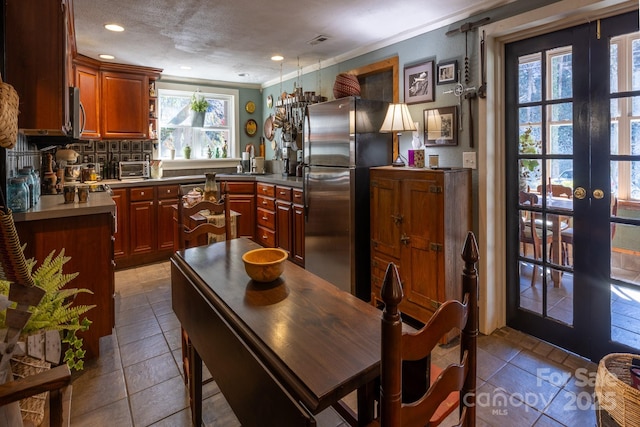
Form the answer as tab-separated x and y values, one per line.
305	191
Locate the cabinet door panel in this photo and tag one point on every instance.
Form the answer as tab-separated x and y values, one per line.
141	232
245	205
165	223
124	100
88	81
284	225
120	246
386	216
422	254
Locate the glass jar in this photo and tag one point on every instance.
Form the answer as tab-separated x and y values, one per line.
26	174
211	187
37	187
18	194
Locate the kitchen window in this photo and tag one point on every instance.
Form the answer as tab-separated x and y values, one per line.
212	139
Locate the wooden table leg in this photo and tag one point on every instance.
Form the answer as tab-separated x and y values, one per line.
366	403
195	386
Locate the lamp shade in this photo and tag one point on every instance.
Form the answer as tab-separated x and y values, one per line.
397	119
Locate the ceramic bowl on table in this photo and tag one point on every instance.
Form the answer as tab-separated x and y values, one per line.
264	264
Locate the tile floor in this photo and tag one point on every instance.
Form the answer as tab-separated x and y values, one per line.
137	381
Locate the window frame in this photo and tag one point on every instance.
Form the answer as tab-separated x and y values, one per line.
186	89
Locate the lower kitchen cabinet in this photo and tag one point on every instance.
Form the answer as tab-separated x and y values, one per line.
419	221
142	228
121	226
167	197
284	218
144	224
242	199
266	214
87	241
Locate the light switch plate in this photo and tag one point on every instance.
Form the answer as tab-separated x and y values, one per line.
469	159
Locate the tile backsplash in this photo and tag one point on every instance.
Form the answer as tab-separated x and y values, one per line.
103	152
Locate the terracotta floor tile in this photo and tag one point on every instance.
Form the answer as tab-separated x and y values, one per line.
150	372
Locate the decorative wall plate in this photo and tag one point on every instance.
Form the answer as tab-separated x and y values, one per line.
251	127
250	107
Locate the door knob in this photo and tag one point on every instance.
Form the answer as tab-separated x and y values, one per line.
579	193
598	193
404	239
397	219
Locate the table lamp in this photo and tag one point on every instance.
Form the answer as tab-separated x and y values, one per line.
397	120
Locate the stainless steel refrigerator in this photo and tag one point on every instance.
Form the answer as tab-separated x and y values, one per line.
341	142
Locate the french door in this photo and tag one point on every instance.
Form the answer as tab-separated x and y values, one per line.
573	186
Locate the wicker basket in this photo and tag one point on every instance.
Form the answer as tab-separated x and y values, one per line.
618	401
8	115
31	408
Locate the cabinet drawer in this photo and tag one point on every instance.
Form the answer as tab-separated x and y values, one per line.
266	203
141	193
263	189
266	218
168	191
266	237
240	187
298	196
283	193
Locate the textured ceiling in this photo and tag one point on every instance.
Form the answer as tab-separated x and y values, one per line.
220	40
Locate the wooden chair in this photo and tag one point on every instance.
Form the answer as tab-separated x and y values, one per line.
193	230
398	346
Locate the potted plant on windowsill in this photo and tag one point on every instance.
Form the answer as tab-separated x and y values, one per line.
199	107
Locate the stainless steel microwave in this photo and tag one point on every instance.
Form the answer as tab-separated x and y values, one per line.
134	170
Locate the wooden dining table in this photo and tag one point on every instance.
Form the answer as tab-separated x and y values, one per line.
281	352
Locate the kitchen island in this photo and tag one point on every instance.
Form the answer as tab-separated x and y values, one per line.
84	231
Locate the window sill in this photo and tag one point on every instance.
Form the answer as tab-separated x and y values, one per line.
181	164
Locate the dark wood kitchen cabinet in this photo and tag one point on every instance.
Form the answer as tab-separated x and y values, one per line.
121	227
284	218
167	197
142	218
38	44
125	105
87	79
147	217
266	214
86	239
242	199
419	221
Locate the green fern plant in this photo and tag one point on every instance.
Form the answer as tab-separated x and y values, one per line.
55	311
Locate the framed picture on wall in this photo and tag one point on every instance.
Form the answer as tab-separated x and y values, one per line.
419	83
440	126
447	72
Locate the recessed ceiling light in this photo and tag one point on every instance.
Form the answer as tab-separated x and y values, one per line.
104	56
114	27
243	74
277	58
185	67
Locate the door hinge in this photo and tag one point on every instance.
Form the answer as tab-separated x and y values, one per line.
436	247
435	189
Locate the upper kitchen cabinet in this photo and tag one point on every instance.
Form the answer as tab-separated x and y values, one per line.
87	79
125	101
38	47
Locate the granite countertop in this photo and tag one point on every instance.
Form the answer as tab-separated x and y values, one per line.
53	206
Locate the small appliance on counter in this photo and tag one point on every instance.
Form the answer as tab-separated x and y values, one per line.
138	169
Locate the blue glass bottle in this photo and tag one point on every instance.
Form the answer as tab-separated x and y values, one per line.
18	194
26	174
